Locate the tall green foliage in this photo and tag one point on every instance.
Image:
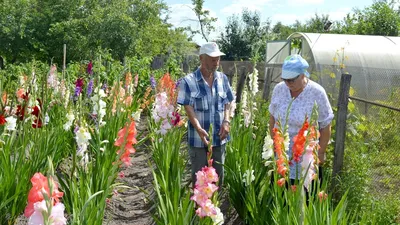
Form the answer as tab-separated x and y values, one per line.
244	36
38	29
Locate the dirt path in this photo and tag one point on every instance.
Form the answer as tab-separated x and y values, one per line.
132	206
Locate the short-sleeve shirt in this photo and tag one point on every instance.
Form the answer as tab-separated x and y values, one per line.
301	107
208	104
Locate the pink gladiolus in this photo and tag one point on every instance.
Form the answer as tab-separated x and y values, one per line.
40	186
281	182
207	210
208	189
322	196
211	174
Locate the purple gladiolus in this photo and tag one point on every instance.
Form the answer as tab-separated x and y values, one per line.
153	82
90	88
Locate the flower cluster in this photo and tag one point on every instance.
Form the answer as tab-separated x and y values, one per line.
127	138
268	150
52	80
70	119
164	111
299	142
248	177
82	139
203	192
254	82
99	106
44	206
280	150
309	162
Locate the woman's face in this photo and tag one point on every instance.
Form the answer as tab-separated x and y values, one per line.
296	83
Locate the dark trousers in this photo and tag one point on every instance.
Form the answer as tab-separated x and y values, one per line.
198	159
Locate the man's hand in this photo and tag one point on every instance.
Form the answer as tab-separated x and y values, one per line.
203	135
224	130
321	157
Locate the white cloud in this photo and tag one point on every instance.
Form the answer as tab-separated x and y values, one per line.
182	15
290	19
238	6
304	2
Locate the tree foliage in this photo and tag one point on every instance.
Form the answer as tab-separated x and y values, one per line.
244	36
381	18
204	19
39	29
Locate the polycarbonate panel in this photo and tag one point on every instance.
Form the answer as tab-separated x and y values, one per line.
276	51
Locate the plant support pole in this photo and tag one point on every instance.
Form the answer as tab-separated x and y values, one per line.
341	126
64	59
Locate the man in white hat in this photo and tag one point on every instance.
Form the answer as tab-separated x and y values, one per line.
206	95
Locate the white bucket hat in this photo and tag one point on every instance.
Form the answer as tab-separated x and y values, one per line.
211	49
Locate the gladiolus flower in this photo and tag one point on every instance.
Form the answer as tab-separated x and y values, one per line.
299	142
40	186
11	123
322	196
128	140
89	68
281	182
2	120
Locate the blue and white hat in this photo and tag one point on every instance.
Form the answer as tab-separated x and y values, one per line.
293	66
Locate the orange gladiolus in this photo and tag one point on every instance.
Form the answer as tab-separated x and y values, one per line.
129	139
167	85
40	186
4	98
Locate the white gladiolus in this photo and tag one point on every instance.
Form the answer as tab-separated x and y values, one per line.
218	218
254	82
99	106
11	123
248	177
70	118
268	150
136	115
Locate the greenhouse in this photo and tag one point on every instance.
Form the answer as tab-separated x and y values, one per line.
373	61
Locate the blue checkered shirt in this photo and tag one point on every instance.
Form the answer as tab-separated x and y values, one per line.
208	104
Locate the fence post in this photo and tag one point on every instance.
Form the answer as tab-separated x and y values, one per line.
240	84
267	83
343	101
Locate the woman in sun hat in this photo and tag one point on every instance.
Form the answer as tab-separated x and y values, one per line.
296	87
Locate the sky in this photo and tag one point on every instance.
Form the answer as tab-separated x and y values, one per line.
285	11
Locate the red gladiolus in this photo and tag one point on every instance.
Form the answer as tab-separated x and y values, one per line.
37	122
40	186
177	118
299	142
129	139
2	120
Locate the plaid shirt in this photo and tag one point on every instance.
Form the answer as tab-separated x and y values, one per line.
208	104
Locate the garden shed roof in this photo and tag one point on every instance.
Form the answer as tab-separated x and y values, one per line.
365	51
373	61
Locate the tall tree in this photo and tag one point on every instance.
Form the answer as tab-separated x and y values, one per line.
38	29
204	19
244	36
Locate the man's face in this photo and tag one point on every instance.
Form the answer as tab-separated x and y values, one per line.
209	63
